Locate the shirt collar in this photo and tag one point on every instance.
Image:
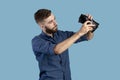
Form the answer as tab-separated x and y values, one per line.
44	35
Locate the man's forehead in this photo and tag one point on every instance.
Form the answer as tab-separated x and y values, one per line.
51	17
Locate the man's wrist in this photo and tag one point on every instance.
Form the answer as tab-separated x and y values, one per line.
80	34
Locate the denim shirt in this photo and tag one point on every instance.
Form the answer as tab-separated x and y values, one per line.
51	65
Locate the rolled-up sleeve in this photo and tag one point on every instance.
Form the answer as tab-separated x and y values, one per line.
42	46
83	38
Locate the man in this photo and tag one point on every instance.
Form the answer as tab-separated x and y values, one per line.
51	46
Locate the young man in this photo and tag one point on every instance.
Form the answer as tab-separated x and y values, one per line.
51	46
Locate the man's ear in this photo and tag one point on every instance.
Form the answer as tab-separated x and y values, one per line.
41	24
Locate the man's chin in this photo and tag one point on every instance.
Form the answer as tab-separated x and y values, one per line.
51	31
55	29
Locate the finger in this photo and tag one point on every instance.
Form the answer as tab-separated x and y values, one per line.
88	22
91	25
90	28
90	17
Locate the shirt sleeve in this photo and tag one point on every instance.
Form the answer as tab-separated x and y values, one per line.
70	33
42	46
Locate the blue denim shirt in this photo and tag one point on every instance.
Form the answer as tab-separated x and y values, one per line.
51	65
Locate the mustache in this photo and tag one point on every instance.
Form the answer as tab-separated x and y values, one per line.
55	26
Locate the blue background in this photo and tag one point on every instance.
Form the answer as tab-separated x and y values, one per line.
98	59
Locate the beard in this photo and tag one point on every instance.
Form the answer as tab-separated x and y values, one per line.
51	31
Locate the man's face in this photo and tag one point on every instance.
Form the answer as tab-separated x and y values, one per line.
49	24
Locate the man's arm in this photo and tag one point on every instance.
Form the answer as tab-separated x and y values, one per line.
64	45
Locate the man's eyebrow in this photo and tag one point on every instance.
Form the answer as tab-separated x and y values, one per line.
50	21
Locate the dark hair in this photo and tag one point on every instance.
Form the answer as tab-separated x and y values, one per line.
42	14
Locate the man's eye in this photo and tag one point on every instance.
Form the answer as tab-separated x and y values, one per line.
50	22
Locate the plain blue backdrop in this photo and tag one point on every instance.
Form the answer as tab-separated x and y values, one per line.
98	59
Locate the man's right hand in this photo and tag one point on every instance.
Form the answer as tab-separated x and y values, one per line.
86	27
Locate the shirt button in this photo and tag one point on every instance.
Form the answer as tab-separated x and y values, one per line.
60	62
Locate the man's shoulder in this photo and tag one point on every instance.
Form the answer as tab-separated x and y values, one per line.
37	37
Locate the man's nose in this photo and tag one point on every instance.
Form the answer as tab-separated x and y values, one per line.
55	23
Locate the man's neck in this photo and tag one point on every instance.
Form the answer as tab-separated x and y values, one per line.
51	35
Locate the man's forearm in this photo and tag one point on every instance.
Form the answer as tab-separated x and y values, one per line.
64	45
86	27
